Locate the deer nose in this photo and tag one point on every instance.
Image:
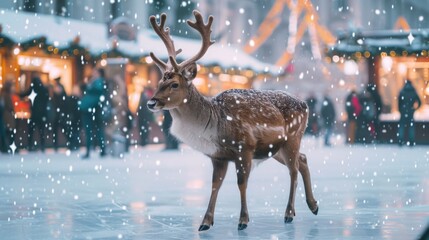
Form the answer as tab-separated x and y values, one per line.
152	103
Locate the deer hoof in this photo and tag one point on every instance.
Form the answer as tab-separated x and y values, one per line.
315	211
288	219
242	226
204	228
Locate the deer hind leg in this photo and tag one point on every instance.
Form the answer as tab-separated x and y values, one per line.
219	172
288	155
305	173
243	166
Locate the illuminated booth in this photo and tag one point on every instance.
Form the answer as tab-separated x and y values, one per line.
389	58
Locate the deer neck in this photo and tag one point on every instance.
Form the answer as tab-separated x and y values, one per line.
195	110
195	122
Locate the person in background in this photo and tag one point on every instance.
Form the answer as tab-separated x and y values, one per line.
91	108
353	110
58	104
313	116
145	116
328	115
171	143
73	118
408	103
378	104
7	101
39	112
366	122
3	142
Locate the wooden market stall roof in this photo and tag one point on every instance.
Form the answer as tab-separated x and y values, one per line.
356	44
58	34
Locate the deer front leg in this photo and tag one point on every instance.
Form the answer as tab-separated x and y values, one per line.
289	157
290	209
243	166
219	172
305	173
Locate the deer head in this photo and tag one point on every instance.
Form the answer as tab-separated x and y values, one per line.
174	86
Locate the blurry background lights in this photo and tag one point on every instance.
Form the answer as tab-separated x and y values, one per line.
103	62
350	67
16	51
386	63
402	69
148	59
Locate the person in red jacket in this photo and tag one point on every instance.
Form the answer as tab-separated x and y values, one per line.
353	109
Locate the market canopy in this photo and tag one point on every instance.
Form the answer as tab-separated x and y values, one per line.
389	42
31	29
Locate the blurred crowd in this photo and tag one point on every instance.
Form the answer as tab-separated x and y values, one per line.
363	111
82	116
72	120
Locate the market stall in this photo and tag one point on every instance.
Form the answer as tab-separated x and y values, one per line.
390	58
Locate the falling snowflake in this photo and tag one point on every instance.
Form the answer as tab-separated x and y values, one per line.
32	96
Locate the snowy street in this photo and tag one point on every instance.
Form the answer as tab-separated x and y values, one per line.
364	192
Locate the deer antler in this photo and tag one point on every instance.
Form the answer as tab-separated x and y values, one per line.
205	31
164	34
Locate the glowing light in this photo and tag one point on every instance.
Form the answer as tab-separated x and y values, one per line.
386	63
148	59
217	69
224	77
198	81
239	79
252	43
402	68
335	58
350	67
16	51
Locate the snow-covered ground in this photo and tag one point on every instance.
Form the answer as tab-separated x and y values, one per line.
364	192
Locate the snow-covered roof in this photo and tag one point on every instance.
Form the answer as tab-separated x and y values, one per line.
60	32
377	42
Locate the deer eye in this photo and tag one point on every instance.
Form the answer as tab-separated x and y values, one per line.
174	85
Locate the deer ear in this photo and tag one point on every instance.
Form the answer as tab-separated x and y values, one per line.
189	71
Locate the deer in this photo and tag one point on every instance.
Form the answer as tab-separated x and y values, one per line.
238	125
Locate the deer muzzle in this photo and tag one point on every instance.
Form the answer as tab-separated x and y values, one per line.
152	105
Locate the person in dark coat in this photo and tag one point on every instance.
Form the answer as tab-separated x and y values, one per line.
313	116
378	103
3	142
39	112
73	118
353	110
328	114
58	101
7	116
408	103
171	143
91	110
366	121
145	116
